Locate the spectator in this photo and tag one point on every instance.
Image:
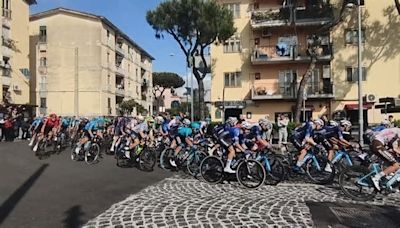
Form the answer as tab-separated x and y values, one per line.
283	122
1	126
8	129
391	120
269	131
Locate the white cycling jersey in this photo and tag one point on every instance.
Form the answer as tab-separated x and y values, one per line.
387	135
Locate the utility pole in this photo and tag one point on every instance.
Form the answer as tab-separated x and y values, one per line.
360	97
76	82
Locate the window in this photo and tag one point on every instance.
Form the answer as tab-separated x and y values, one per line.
232	45
108	57
257	76
235	8
175	104
6	8
233	79
43	102
43	61
286	82
313	82
43	34
108	79
352	74
218	114
108	35
25	72
351	36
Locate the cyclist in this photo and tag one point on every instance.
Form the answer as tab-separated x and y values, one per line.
385	144
182	138
254	133
93	127
49	128
266	127
119	130
138	132
230	140
35	128
302	139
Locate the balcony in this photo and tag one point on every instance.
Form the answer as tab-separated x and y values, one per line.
6	22
292	53
120	91
6	79
272	91
277	91
302	16
119	70
119	50
7	13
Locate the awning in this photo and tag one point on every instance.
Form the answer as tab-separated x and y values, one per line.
355	106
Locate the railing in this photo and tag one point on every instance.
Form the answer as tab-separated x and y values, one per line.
282	16
6	72
288	90
119	70
272	90
120	90
119	50
7	13
288	53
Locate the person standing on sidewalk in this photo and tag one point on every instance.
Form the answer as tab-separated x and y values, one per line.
283	122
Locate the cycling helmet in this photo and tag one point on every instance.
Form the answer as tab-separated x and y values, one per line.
345	123
263	122
159	119
186	122
246	125
319	122
140	119
333	123
232	121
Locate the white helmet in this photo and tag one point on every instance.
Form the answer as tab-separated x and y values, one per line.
159	119
263	122
140	119
186	122
246	125
333	123
319	122
232	121
345	123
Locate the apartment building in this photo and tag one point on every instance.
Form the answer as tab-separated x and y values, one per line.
82	64
14	60
258	70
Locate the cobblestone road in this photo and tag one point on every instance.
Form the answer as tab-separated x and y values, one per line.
183	202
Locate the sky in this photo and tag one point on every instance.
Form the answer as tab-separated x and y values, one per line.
130	17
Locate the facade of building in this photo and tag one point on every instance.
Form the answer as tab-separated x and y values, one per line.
14	60
258	70
82	64
170	99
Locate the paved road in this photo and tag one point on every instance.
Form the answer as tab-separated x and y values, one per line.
57	192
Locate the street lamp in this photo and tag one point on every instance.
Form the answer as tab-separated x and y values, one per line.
352	4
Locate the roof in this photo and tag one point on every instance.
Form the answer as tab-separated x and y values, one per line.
104	20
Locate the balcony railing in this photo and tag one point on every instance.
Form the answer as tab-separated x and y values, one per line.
272	90
274	54
275	91
283	17
6	13
119	50
119	70
120	92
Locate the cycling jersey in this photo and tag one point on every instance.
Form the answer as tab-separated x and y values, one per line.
378	128
333	132
65	122
256	132
184	131
37	122
94	125
142	127
304	131
53	122
388	135
234	133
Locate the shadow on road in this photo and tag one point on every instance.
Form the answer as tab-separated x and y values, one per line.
74	217
8	206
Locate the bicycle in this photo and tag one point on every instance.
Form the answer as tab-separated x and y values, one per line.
275	171
89	155
142	155
250	173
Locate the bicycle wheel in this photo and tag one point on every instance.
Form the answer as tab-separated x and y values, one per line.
277	172
92	155
165	157
212	169
147	160
348	179
74	156
250	173
194	162
315	170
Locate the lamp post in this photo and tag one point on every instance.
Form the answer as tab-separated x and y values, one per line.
360	98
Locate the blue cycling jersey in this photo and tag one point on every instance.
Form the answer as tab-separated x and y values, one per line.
184	131
234	133
304	131
37	122
65	122
378	128
165	126
93	125
333	131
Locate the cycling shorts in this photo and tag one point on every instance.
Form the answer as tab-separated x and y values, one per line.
379	149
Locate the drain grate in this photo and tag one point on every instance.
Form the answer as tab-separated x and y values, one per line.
362	217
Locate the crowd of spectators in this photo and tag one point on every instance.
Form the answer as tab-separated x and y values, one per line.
14	122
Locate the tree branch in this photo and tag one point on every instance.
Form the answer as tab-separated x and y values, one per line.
397	3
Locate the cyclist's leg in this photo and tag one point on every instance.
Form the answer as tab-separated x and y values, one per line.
378	148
